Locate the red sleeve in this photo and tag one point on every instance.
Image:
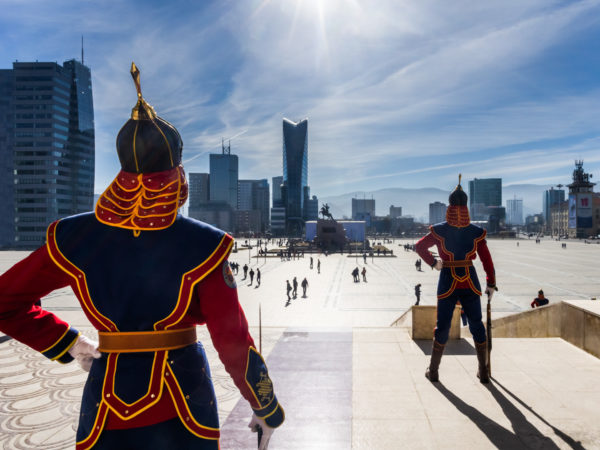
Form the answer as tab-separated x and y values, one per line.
488	265
220	309
21	315
422	247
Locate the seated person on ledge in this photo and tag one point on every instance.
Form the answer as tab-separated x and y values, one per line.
540	300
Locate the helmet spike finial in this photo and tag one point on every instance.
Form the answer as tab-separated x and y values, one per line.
142	110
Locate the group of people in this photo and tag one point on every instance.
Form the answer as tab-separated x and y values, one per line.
292	289
249	272
356	273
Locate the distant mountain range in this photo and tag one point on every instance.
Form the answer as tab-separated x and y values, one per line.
415	202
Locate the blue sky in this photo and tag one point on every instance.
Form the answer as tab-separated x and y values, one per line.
397	93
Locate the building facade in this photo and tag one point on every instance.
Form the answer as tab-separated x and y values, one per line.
363	207
514	212
295	174
483	193
437	212
550	198
311	208
199	186
277	199
278	221
253	195
224	178
581	222
47	146
395	211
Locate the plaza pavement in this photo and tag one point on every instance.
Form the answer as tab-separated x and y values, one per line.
348	380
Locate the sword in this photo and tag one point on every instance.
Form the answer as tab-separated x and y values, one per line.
489	337
260	430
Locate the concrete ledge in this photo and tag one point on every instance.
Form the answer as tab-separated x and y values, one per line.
424	320
577	322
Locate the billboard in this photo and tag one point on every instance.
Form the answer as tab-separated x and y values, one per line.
572	211
584	210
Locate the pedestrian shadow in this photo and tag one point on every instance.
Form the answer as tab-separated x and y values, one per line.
453	347
524	435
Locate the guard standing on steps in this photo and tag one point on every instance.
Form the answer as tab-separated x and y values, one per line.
458	242
145	276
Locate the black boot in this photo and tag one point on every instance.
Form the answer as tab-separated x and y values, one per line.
482	372
434	364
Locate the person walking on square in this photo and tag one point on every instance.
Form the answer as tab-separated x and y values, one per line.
364	258
458	242
145	277
311	262
304	285
540	300
251	276
418	293
295	284
245	268
355	275
288	289
364	274
318	266
257	277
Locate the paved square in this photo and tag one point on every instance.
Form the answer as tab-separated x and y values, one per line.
375	396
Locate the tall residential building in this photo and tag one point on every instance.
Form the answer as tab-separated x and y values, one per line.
277	199
199	186
47	146
395	212
484	193
437	212
551	197
224	177
253	195
514	211
295	173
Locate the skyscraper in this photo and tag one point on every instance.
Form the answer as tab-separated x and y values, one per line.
483	193
224	177
295	173
47	147
514	211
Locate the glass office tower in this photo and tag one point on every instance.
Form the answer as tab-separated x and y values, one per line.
295	173
50	149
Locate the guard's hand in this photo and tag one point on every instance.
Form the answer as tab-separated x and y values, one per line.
85	351
490	291
256	423
438	265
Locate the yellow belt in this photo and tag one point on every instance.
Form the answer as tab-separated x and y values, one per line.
145	341
461	263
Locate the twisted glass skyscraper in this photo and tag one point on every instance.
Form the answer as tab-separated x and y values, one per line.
295	173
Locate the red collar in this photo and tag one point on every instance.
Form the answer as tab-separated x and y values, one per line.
458	216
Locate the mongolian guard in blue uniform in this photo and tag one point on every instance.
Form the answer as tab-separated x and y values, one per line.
458	243
145	277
